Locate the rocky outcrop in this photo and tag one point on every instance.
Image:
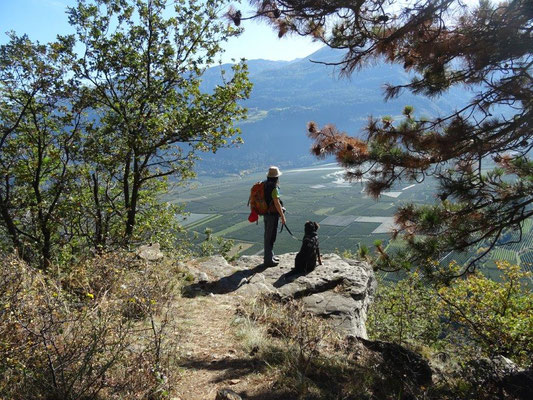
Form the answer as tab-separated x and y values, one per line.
150	252
518	384
503	375
340	289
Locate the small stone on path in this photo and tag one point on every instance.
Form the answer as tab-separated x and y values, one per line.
227	394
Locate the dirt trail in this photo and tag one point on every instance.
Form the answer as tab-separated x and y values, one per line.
211	356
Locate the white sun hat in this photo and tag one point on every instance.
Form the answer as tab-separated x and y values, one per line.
273	172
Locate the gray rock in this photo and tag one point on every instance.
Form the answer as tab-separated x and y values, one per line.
502	373
227	394
505	365
215	266
401	363
339	289
150	252
199	276
519	384
202	277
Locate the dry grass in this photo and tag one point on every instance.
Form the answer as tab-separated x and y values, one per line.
306	359
100	330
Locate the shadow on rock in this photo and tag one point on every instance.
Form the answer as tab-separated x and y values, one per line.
269	394
401	363
226	284
287	278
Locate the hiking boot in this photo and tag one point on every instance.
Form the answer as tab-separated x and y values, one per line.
272	263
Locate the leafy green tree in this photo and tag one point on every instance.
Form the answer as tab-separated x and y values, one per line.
406	312
495	316
142	62
41	125
215	245
443	44
95	125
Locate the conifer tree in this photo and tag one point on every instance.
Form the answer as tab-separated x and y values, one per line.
479	154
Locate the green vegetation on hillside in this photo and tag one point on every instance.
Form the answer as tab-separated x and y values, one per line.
93	125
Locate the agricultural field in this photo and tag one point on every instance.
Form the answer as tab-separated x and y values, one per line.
346	215
348	218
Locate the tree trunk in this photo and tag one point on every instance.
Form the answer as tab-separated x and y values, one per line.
12	232
98	228
46	251
132	210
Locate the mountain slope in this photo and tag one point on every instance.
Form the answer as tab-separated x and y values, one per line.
287	95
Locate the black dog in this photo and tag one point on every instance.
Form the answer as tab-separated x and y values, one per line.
309	252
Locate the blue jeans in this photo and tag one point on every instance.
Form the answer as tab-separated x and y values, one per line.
271	230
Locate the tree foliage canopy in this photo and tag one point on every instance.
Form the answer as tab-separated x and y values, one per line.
479	153
40	132
143	70
93	125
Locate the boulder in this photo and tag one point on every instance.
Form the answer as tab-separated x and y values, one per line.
199	276
401	363
503	374
227	394
150	252
519	384
215	267
339	289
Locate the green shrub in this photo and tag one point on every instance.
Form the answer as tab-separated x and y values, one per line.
495	317
472	317
405	312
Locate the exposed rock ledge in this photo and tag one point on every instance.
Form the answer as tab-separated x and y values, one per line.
340	289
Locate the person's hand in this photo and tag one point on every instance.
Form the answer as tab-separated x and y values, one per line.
283	220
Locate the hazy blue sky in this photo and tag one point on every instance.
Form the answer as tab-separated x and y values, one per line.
43	19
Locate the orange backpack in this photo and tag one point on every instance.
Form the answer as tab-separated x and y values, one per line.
257	200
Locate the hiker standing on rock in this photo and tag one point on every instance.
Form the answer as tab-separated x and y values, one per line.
276	211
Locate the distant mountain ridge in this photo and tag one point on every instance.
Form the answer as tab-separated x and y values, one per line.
288	94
